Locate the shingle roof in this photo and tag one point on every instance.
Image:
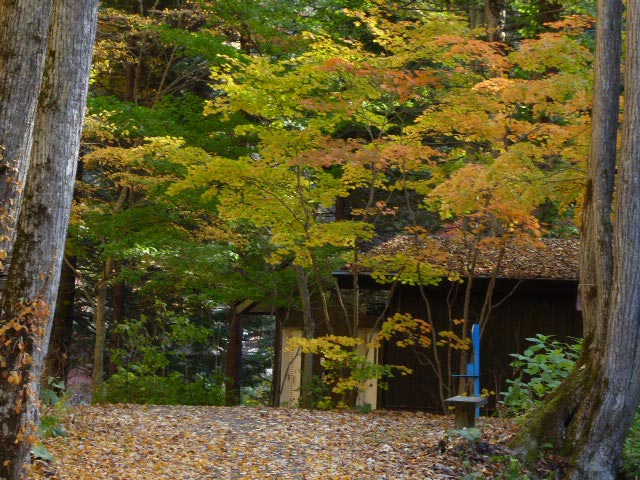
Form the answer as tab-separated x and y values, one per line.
547	258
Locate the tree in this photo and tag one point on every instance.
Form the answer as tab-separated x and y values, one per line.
589	414
32	284
24	27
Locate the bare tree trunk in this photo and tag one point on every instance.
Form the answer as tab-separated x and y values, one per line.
99	313
493	12
476	16
306	380
591	412
100	321
58	356
609	408
234	359
466	315
277	367
24	28
118	302
36	263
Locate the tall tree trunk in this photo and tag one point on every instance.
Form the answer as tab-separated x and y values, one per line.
37	257
100	307
277	368
476	16
57	360
306	380
591	411
493	13
24	27
234	359
610	407
119	299
100	322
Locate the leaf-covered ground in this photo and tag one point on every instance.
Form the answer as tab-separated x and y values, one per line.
161	442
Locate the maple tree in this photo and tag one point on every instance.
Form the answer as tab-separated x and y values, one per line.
507	153
149	78
484	141
369	120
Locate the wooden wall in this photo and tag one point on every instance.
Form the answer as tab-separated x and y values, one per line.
536	306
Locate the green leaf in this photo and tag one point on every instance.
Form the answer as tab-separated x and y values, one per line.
39	451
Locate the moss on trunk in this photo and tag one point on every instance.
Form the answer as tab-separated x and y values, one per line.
554	422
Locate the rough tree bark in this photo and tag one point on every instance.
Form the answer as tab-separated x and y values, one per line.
588	416
58	355
24	27
493	13
37	255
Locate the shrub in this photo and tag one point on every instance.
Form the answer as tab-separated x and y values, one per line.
152	364
631	451
173	389
345	369
540	368
54	407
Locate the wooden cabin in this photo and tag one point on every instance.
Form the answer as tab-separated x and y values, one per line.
535	291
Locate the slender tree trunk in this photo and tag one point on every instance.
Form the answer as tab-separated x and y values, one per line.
130	72
493	12
37	256
234	359
119	298
24	28
58	356
100	321
277	361
466	316
476	16
99	312
306	380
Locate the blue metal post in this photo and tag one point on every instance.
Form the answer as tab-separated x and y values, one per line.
475	338
473	368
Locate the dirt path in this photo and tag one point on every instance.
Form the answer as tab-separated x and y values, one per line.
196	443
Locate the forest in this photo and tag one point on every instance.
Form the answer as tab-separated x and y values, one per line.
226	159
255	182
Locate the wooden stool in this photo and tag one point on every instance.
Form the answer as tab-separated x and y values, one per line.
466	409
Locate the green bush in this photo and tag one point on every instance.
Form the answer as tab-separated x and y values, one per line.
173	389
631	451
153	367
54	407
540	369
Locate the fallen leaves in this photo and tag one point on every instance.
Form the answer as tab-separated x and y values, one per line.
178	442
